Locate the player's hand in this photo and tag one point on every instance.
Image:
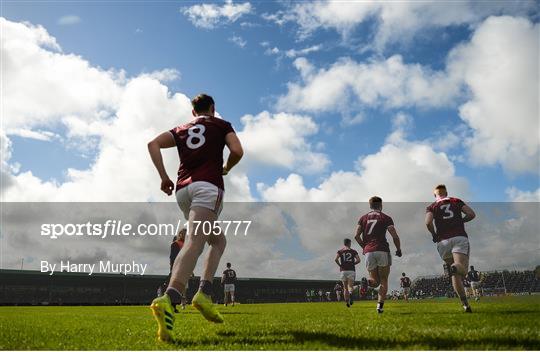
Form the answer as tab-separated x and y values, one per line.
225	170
398	253
434	238
167	186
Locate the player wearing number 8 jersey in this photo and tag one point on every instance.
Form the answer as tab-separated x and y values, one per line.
450	236
199	193
371	236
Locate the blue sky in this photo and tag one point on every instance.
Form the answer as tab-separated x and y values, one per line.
420	93
139	38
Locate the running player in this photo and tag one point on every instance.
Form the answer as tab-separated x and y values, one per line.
467	286
228	279
338	289
406	286
346	259
363	287
199	193
450	236
474	278
371	236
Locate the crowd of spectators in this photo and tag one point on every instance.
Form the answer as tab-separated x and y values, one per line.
496	282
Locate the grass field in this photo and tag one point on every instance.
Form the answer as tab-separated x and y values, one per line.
497	323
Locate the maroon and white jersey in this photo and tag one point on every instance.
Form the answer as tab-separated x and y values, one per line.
229	276
346	259
448	219
200	146
374	225
405	282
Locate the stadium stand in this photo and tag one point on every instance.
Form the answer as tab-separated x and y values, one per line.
492	283
23	287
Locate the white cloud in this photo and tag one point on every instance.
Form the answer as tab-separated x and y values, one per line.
142	99
401	171
41	83
42	89
290	53
517	195
502	106
349	85
272	51
211	15
238	41
33	134
500	67
395	22
281	140
69	20
165	75
116	127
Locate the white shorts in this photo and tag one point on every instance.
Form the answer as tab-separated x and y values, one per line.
378	258
459	244
228	288
475	285
348	275
200	194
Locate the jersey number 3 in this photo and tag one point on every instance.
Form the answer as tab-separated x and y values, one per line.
196	132
448	213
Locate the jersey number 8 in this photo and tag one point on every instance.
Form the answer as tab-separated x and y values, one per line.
196	132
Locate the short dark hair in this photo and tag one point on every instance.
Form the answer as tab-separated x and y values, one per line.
402	274
347	241
202	103
375	202
441	187
472	267
228	265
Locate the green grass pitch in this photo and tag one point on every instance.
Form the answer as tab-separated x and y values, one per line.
497	323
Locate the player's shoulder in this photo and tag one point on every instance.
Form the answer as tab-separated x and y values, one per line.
216	121
456	200
386	216
182	127
432	205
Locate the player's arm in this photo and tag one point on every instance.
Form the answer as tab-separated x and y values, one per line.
358	235
235	149
164	140
430	227
395	238
337	260
469	213
223	278
356	259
